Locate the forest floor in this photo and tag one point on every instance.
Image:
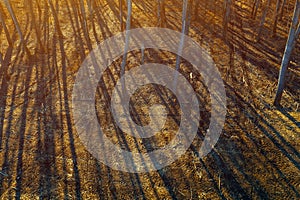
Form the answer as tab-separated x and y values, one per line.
41	155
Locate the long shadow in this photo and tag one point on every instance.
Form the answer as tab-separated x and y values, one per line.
23	123
46	125
291	118
6	165
279	142
284	146
46	140
79	44
135	180
264	49
266	157
66	103
4	88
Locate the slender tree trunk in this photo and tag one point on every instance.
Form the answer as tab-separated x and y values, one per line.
13	16
255	8
127	37
76	27
36	27
282	9
180	48
189	16
1	59
85	25
196	6
226	16
277	12
121	15
293	35
18	27
263	20
2	20
161	14
90	4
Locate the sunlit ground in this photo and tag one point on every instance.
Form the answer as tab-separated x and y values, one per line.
256	157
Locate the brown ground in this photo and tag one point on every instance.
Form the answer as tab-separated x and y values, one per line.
41	156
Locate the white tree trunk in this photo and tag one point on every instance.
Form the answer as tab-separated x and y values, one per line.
161	14
7	34
263	20
277	12
13	16
255	8
293	35
226	16
128	25
180	48
121	15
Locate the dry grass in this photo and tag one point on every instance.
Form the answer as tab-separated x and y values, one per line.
41	156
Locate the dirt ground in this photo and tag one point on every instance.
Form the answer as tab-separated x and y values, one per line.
42	157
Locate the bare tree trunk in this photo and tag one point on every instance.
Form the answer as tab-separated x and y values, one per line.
277	12
293	35
255	8
282	9
121	15
13	16
56	21
90	4
1	59
263	20
226	16
76	26
36	28
85	26
180	48
2	20
18	27
196	6
128	25
189	16
161	14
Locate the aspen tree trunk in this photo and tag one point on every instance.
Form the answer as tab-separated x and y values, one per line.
127	37
226	18
56	21
36	27
121	15
195	12
293	35
90	4
161	14
282	9
255	8
189	16
13	16
85	25
277	12
17	25
75	26
2	20
180	48
263	20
